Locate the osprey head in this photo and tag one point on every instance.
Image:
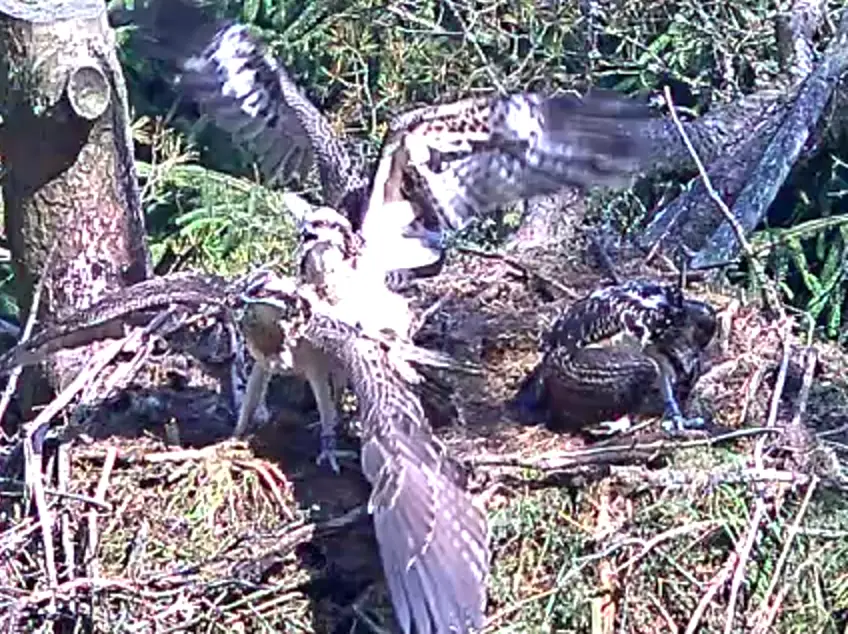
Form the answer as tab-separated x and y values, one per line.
327	226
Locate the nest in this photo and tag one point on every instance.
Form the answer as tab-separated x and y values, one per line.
214	535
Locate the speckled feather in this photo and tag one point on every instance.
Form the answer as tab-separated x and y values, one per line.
104	318
433	540
247	93
599	357
440	166
462	159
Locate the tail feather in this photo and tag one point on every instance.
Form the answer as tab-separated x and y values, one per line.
425	357
529	403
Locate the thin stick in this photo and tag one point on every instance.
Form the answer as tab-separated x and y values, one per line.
63	476
707	526
770	295
555	460
100	496
743	553
716	584
525	270
764	616
67	495
32	458
15	375
771	423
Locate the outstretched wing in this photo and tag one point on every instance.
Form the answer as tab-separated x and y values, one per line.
227	73
433	540
103	319
457	161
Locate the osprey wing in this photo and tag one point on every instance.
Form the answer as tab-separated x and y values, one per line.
244	91
442	166
99	320
433	539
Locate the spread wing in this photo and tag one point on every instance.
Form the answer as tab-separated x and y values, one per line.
433	540
227	73
457	161
104	319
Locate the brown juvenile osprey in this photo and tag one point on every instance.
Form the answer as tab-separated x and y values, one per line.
621	350
433	540
439	167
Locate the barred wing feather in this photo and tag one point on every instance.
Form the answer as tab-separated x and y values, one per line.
243	90
470	157
433	540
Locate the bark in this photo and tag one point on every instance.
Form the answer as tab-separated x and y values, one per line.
70	185
749	177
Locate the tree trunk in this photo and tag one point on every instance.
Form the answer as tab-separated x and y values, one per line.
69	187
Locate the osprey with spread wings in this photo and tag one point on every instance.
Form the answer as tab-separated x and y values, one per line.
439	167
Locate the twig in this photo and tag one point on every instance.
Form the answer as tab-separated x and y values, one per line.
678	531
77	497
63	476
669	620
716	584
100	496
32	457
15	375
705	478
764	616
525	270
603	605
796	432
770	296
469	35
751	391
779	384
432	309
743	553
556	460
604	259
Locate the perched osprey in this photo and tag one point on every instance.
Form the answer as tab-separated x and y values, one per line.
327	263
622	350
439	167
433	540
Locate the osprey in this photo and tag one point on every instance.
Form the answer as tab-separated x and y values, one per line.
327	263
439	166
620	351
433	540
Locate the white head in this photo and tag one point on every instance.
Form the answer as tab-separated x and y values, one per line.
325	224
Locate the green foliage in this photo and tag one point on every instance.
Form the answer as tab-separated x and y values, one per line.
809	254
222	223
664	550
364	61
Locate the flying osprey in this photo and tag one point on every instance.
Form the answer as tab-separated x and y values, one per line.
621	350
439	167
433	540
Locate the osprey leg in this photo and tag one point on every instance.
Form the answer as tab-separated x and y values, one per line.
319	381
673	419
254	397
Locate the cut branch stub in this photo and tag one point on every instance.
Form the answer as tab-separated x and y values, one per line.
88	91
